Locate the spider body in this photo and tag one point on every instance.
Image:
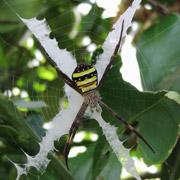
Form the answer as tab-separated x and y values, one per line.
85	77
92	98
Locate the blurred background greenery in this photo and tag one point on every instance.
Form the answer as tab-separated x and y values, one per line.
81	27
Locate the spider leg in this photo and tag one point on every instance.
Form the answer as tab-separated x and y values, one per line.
126	124
59	72
73	130
112	57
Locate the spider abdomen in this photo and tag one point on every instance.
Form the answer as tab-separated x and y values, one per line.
85	77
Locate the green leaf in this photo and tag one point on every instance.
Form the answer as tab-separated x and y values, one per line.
11	116
39	87
81	166
112	170
56	170
61	22
7	131
158	55
8	20
157	115
47	73
160	127
170	169
26	9
26	137
105	164
89	22
101	156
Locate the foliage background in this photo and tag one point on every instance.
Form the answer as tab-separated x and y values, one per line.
27	76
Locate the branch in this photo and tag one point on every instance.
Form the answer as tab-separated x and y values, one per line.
146	176
163	9
8	22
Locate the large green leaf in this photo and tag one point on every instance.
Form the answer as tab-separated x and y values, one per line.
158	55
157	115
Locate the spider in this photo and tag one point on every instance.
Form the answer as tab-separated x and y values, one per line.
85	82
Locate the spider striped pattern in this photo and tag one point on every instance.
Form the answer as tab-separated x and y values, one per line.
85	77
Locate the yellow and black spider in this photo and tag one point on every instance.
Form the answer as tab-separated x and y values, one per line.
85	81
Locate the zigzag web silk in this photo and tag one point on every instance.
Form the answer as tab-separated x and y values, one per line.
61	123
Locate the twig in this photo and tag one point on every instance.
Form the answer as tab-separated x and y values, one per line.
164	10
146	176
8	22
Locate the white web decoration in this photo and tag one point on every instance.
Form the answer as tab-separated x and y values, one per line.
62	122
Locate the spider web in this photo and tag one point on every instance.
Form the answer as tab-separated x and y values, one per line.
110	42
45	113
107	56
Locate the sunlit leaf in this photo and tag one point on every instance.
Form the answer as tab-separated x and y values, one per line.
158	55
